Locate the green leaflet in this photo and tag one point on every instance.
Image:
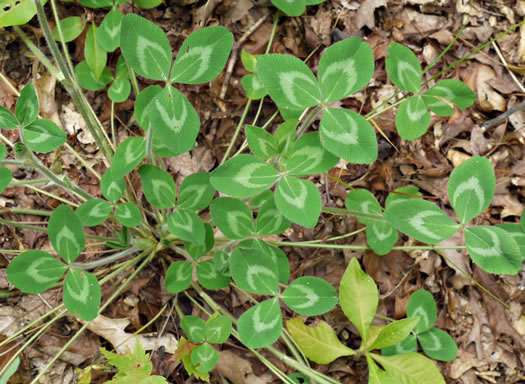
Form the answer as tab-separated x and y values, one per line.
493	249
94	212
26	109
194	327
377	376
71	28
362	200
261	325
348	135
112	188
422	305
401	194
145	47
410	368
128	155
17	12
299	201
275	254
438	345
96	56
195	192
7	120
174	120
108	34
10	371
197	251
218	329
159	187
261	143
96	3
253	271
394	333
308	157
87	79
381	237
178	276
438	105
3	151
204	357
291	7
320	343
253	87
517	233
232	217
210	277
288	81
128	214
81	294
119	91
249	61
44	136
310	296
403	68
66	233
5	178
409	344
147	4
243	176
412	118
421	219
202	56
285	136
35	271
358	297
454	91
471	187
269	220
187	225
345	68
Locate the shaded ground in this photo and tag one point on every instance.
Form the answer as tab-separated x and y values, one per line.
491	339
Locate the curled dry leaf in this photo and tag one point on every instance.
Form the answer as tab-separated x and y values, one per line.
237	370
488	99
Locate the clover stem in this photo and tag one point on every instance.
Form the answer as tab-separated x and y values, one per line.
82	161
62	40
53	196
106	260
309	120
236	133
5	139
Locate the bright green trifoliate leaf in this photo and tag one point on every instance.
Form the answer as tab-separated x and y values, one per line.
178	277
261	325
253	271
204	357
421	304
5	178
34	271
3	151
401	194
141	105
422	220
16	12
128	214
310	296
210	277
358	297
71	28
119	90
362	201
128	155
308	157
96	56
517	233
493	249
299	201
108	34
291	7
289	81
202	56
86	77
145	47
411	368
403	68
381	237
82	294
195	328
158	185
218	329
112	188
26	109
345	68
44	136
233	217
66	233
409	344
195	192
174	120
94	212
275	254
261	143
438	345
258	201
187	225
471	187
348	135
253	87
412	118
243	176
438	105
454	91
269	220
319	343
394	333
7	119
197	251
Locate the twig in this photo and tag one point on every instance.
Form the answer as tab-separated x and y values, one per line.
495	121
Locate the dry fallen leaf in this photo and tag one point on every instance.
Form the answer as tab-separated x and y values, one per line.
488	99
365	14
238	370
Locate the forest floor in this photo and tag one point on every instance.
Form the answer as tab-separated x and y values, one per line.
490	337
